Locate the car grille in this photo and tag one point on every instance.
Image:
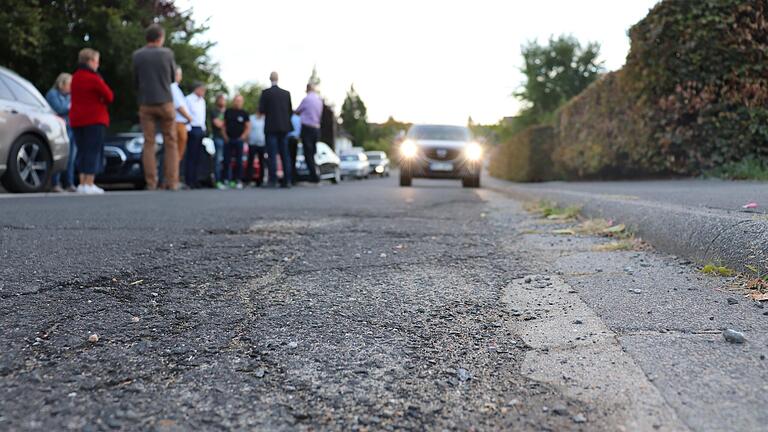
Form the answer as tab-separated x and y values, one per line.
441	154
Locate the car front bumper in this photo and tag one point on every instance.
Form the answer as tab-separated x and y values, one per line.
450	169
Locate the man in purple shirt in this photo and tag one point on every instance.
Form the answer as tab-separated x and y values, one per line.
310	110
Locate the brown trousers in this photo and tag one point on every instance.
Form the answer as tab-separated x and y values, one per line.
182	138
163	115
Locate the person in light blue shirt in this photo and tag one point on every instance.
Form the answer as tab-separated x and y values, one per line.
293	143
60	100
256	149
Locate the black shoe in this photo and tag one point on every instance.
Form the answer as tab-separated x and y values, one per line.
270	186
285	185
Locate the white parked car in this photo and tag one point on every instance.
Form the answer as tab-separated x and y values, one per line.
354	165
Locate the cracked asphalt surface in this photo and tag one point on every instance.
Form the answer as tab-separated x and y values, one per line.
362	306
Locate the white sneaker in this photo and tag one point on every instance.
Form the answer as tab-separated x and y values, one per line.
81	189
93	190
239	185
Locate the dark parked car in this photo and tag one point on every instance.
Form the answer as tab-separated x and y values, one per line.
326	160
122	155
33	139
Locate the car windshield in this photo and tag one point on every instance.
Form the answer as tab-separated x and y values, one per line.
439	133
351	157
374	156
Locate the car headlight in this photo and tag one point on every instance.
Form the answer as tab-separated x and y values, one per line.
473	152
136	145
379	169
408	149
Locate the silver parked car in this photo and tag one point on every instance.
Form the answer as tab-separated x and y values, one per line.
354	165
378	162
33	139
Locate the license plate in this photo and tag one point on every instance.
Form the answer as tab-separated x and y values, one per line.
441	166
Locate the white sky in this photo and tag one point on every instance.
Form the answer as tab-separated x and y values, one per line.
418	60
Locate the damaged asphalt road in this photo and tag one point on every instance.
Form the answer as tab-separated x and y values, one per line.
362	306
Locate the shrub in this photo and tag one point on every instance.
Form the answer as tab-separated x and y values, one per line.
603	132
692	96
526	156
703	67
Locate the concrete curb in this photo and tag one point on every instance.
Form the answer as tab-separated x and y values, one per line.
701	235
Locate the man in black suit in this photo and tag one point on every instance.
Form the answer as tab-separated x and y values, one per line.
275	105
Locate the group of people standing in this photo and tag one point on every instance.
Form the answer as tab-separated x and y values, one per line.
269	134
82	99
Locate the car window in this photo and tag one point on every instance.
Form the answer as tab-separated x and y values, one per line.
22	95
439	133
5	93
350	157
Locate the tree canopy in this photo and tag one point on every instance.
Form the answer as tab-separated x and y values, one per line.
251	93
41	38
555	73
354	117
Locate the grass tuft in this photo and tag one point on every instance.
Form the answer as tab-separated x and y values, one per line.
717	270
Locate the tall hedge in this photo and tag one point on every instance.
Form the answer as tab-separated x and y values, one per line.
692	95
526	157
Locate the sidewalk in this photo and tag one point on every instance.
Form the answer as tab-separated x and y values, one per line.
701	220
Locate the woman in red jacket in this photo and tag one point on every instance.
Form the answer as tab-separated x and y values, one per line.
89	118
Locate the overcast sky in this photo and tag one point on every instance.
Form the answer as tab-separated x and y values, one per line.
417	60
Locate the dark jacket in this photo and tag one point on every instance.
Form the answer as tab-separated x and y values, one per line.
90	97
275	104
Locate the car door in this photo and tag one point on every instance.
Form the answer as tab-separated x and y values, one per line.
322	160
12	122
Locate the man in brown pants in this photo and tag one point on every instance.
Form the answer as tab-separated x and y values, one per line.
154	70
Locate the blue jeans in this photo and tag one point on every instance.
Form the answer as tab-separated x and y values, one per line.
218	143
192	158
277	143
70	172
234	148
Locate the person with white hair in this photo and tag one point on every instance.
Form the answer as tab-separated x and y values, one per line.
60	99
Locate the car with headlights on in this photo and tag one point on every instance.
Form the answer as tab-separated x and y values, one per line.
33	139
440	152
122	157
378	163
354	165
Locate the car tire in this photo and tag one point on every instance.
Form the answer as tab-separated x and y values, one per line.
29	171
405	179
471	182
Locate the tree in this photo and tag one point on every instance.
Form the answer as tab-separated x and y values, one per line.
314	79
43	37
354	117
554	74
251	93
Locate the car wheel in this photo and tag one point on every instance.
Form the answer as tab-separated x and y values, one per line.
471	182
29	165
139	185
405	179
336	176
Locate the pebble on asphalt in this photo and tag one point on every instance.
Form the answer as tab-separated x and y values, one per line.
733	336
636	291
93	338
579	418
732	301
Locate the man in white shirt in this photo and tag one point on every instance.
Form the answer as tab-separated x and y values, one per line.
182	115
195	101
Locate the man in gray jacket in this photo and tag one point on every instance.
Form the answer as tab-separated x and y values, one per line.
154	70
